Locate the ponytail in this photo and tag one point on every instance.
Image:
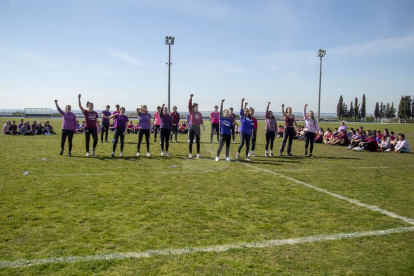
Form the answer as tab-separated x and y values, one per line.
87	103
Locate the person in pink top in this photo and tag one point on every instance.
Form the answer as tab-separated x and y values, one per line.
215	124
311	129
196	119
68	123
157	122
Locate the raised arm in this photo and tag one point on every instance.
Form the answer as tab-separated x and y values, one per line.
58	108
283	110
190	103
221	108
304	112
162	111
267	111
80	105
242	101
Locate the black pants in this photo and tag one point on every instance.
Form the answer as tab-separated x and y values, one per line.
224	138
105	129
288	133
232	131
270	137
119	133
254	132
88	133
244	138
165	136
310	138
192	134
69	134
147	137
217	128
370	146
156	129
174	131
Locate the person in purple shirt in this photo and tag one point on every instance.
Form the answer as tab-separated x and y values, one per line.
165	129
271	127
144	127
91	125
225	132
120	124
68	126
289	130
105	123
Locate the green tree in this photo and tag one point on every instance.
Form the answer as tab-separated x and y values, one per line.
382	112
363	107
356	108
340	108
351	110
401	108
377	111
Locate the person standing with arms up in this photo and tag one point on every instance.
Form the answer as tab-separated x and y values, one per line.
115	112
271	127
91	125
311	128
105	123
165	129
245	130
289	130
68	124
225	132
157	122
175	122
120	124
144	127
196	120
254	130
232	117
215	124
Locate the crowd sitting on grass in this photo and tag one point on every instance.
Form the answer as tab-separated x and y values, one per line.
26	129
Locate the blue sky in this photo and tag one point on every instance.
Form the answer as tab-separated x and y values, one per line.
113	51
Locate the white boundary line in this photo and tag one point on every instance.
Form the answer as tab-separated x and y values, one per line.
353	201
189	250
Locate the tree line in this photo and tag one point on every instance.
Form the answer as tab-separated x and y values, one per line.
357	111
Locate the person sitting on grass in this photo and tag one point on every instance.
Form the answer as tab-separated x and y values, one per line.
392	136
13	128
350	133
343	126
356	139
6	127
26	129
33	127
385	141
327	136
379	136
236	129
370	143
319	136
20	125
402	144
112	127
136	128
341	139
40	129
130	128
280	131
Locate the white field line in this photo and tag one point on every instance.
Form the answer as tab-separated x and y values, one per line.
189	250
353	201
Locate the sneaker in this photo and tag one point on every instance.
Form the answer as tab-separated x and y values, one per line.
93	151
167	153
271	153
148	154
162	153
188	141
266	154
113	154
61	152
234	142
198	155
349	147
289	154
248	154
237	155
138	154
387	150
176	141
190	156
247	158
69	154
356	148
359	149
252	153
194	141
228	159
120	154
311	155
306	152
113	140
217	159
87	154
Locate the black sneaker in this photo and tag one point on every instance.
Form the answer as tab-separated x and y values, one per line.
61	152
311	155
69	154
306	151
289	154
280	153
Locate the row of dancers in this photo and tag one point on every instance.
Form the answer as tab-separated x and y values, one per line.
223	122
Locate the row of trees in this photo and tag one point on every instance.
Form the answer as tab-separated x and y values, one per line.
358	111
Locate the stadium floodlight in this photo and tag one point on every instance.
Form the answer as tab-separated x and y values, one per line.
170	41
321	54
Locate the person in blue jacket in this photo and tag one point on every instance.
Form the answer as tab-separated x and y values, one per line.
246	126
226	125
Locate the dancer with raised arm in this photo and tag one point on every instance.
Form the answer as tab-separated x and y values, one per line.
165	129
254	130
157	122
196	120
215	124
120	124
225	132
271	127
289	130
91	125
68	124
144	127
311	129
232	116
105	123
245	130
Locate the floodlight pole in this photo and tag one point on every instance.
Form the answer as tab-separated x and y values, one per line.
170	41
321	54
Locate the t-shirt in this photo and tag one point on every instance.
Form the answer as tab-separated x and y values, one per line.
106	113
120	121
157	119
245	123
144	120
13	128
195	117
254	120
232	117
225	125
90	119
215	117
175	118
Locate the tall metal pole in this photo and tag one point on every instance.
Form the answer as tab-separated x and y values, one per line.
169	74
320	80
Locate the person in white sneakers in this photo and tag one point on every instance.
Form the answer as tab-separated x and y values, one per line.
165	129
246	126
271	127
144	127
120	124
196	120
91	125
225	132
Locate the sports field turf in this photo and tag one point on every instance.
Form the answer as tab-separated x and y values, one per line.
343	212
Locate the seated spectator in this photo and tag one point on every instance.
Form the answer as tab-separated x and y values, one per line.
33	128
370	143
131	128
350	133
280	131
319	136
392	136
26	129
13	129
6	127
50	127
112	127
327	136
402	144
385	141
356	138
137	128
341	139
20	125
39	129
343	126
236	129
82	127
335	132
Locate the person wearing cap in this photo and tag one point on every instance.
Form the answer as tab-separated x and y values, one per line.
115	112
196	120
105	123
175	122
215	123
157	122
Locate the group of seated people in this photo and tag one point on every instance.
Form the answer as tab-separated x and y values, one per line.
25	128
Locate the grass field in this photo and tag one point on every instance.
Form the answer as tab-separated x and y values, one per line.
343	212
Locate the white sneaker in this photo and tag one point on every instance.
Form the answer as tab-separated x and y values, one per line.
266	154
148	154
217	159
93	151
252	154
248	154
87	154
138	154
247	158
188	141
349	147
228	159
234	142
120	154
198	155
194	141
113	154
359	149
237	155
388	150
162	153
190	156
167	153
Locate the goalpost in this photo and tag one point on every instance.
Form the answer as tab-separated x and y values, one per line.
38	112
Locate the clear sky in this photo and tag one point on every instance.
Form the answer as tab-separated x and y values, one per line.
113	51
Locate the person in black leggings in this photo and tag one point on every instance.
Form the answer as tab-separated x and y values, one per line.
289	130
144	127
121	122
91	125
105	124
68	125
165	129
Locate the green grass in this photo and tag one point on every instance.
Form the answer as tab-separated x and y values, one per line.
86	206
